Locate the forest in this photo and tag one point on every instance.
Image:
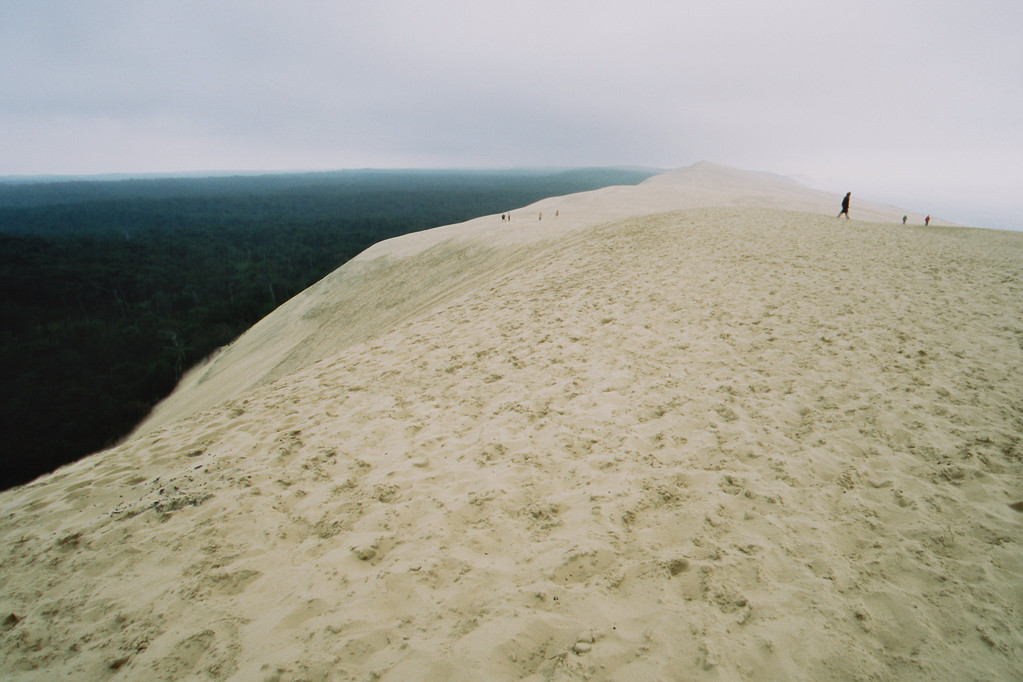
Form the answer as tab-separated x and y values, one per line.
112	288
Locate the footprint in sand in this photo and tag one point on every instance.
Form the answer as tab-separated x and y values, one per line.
582	566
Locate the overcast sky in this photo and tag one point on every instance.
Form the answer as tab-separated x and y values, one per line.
914	102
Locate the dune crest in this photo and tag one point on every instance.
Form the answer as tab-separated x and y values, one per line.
399	277
692	442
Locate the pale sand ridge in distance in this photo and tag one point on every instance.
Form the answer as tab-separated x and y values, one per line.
383	285
694	429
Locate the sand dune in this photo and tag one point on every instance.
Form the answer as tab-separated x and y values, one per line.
696	429
385	285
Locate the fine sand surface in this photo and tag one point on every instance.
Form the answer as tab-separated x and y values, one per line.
699	429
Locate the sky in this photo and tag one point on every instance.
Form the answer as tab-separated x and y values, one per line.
918	103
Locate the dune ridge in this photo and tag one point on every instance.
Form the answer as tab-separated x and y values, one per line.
726	442
399	277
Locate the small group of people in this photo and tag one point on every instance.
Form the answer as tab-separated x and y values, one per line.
845	210
927	220
507	216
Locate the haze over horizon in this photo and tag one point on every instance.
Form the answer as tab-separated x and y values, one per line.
910	103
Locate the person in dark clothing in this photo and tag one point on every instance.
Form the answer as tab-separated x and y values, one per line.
845	206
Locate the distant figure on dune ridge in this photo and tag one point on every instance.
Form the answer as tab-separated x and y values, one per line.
845	206
927	221
904	219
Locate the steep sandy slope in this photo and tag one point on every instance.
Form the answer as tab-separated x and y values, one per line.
708	443
381	288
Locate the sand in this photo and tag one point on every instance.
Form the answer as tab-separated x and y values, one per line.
674	433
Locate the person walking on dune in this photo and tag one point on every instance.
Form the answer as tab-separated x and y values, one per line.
845	206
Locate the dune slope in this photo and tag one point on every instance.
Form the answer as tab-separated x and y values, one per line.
401	277
699	443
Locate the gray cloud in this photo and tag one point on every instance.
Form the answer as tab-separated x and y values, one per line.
912	102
